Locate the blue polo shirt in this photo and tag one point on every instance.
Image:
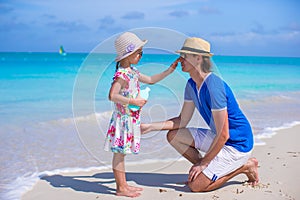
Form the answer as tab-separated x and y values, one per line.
215	94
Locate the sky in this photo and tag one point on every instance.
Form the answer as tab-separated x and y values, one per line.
233	27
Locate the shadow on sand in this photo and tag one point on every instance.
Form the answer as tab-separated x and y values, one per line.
97	183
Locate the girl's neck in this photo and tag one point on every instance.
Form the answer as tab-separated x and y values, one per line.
125	64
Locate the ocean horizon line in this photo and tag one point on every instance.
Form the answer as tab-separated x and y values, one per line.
151	53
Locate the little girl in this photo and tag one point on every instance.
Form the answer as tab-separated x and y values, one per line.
123	136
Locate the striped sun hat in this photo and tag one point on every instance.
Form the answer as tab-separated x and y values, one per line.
195	45
126	44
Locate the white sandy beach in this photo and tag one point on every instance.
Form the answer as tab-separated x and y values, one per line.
279	162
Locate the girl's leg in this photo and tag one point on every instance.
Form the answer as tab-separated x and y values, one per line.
123	189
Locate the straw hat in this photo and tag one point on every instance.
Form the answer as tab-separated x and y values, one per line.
126	44
197	46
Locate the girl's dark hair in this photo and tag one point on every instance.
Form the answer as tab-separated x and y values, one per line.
117	66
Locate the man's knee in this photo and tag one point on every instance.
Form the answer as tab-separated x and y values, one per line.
171	135
193	187
200	184
196	188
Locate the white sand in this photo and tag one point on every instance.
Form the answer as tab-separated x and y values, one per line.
279	162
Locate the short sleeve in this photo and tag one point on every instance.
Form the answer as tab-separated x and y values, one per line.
217	93
188	91
136	71
121	73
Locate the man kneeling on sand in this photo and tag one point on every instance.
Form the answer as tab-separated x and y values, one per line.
229	141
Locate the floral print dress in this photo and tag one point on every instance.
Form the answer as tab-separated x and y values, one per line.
123	135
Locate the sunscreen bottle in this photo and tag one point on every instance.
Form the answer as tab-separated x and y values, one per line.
144	94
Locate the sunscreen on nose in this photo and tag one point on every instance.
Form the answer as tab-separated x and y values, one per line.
144	94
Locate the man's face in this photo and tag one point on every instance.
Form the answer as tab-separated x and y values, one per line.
188	62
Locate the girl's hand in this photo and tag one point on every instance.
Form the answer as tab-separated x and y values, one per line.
175	63
138	102
145	128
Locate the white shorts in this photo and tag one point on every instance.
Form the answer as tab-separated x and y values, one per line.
228	159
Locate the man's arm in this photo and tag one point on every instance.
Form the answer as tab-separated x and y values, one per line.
175	123
222	128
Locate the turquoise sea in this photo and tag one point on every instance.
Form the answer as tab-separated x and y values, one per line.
54	109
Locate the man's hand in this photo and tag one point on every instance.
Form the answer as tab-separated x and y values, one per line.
145	128
196	170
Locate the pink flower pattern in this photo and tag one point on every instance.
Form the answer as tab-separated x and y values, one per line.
123	135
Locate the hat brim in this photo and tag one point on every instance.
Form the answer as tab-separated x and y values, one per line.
194	53
121	57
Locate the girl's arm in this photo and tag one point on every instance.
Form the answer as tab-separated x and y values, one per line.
115	96
157	77
175	123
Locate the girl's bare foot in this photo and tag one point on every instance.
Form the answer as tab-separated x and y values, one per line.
252	172
133	188
128	193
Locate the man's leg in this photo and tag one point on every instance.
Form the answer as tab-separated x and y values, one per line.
184	143
204	184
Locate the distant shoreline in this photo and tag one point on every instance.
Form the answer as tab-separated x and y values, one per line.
149	53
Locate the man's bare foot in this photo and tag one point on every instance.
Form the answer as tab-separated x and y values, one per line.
128	193
252	172
133	188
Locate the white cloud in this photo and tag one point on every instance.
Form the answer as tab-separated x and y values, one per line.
179	13
5	8
251	37
68	26
209	10
136	15
106	22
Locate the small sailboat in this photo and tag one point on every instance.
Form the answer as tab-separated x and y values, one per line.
62	51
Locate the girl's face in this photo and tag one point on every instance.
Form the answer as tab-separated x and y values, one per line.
136	56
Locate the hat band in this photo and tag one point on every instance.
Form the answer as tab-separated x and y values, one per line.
194	50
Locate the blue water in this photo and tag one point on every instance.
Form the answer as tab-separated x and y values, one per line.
54	109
